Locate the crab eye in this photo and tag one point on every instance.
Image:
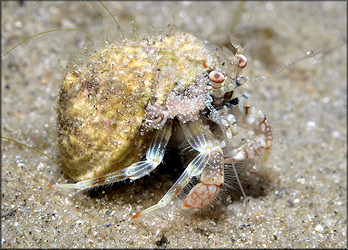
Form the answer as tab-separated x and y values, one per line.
242	61
216	78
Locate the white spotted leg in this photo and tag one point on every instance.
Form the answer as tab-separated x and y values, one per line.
202	140
154	157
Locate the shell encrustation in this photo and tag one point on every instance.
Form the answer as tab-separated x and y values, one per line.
103	101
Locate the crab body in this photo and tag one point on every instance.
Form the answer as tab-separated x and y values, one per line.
116	112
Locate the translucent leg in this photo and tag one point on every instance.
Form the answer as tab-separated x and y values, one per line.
260	145
229	129
201	139
154	156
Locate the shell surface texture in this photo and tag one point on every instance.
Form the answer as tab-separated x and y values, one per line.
119	107
297	198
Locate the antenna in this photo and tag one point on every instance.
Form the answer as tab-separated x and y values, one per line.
309	54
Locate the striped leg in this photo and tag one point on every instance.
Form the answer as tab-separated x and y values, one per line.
154	156
212	178
202	140
262	142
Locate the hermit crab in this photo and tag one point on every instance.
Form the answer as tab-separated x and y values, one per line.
118	109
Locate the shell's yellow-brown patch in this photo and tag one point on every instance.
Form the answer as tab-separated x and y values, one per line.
103	100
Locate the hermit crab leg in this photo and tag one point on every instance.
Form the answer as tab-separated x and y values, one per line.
154	156
232	128
262	142
201	139
212	178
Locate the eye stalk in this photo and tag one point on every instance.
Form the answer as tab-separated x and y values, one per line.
217	78
242	60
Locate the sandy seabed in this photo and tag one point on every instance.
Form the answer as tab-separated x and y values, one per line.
304	203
